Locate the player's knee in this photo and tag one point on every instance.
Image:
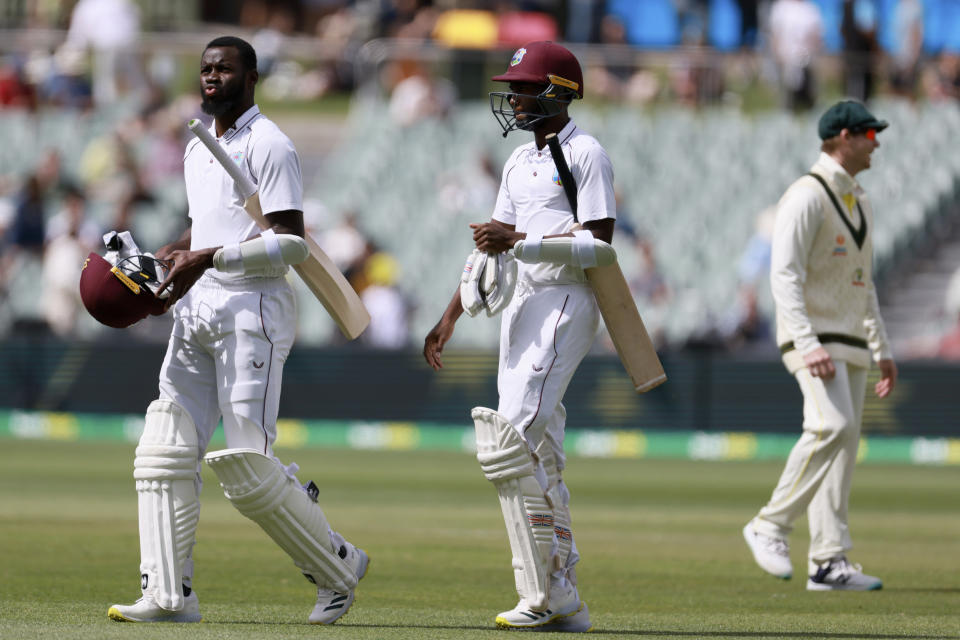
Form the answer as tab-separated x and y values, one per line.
837	428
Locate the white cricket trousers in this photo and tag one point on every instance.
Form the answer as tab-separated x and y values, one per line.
225	358
544	334
819	470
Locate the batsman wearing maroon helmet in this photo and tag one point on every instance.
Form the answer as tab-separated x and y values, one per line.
534	254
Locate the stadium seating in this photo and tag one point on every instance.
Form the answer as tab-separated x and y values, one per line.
692	182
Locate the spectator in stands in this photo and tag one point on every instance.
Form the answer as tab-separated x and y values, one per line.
754	262
418	95
346	245
692	17
907	47
389	310
583	20
72	220
860	48
943	81
796	38
27	229
749	22
14	90
111	29
745	329
407	19
71	236
948	347
66	84
618	77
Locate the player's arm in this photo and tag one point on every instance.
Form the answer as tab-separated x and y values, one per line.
442	332
880	347
494	234
797	222
288	222
181	243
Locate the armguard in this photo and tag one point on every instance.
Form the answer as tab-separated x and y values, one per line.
269	250
582	250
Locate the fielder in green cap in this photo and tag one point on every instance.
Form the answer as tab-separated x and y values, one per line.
848	114
830	333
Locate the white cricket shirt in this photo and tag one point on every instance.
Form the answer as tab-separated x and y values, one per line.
532	198
267	157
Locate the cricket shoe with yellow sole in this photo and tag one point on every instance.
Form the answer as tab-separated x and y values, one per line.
146	609
333	605
564	603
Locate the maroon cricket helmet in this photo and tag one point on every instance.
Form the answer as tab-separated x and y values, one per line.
112	297
545	63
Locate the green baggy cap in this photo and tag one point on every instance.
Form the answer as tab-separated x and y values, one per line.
848	114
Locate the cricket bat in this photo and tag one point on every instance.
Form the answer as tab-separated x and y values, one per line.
318	271
619	311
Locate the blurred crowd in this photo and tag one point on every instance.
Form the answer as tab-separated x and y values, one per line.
54	207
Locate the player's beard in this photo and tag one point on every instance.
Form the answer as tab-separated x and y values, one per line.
224	103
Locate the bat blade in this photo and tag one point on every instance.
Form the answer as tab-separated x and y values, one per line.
626	328
619	311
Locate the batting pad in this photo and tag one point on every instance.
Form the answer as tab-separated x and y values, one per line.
165	470
527	513
259	487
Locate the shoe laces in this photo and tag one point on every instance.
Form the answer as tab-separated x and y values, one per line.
775	545
845	567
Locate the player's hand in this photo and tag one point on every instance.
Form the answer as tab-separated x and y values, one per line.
820	364
187	268
163	253
888	378
494	238
433	344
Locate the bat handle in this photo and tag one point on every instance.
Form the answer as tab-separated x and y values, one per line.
204	135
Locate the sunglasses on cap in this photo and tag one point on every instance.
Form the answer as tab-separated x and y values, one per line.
871	134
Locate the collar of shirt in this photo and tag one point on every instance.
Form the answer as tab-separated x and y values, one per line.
240	123
834	172
564	135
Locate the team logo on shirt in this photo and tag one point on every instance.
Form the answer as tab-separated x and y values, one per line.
858	278
556	178
840	250
517	57
237	157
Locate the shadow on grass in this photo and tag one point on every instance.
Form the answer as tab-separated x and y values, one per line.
684	634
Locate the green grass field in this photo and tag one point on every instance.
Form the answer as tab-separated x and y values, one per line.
660	541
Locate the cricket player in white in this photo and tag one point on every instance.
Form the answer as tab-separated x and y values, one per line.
829	329
546	329
234	325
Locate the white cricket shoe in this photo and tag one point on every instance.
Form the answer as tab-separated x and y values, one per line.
579	622
772	554
333	605
564	603
146	609
838	574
